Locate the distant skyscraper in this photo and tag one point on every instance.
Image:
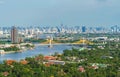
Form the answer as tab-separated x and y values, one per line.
14	35
114	29
83	29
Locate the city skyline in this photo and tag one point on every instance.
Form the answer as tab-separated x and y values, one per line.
61	29
53	13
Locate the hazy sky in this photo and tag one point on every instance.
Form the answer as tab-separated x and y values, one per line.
55	12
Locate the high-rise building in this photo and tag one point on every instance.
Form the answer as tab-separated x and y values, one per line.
115	29
83	29
14	35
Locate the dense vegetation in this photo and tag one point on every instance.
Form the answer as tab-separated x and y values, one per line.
5	42
35	67
106	57
29	46
35	40
65	41
13	48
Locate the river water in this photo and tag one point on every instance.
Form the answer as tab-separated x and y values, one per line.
41	49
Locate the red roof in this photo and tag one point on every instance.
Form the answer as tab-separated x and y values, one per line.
5	73
49	58
9	62
24	62
81	69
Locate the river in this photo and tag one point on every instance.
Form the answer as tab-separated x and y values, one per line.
41	49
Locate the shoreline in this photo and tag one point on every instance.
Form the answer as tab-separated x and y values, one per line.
37	52
9	52
53	44
22	50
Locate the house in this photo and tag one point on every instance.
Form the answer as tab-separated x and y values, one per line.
5	73
24	62
56	62
2	51
99	65
95	67
49	58
10	62
81	69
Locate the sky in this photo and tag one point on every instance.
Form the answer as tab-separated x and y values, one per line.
55	12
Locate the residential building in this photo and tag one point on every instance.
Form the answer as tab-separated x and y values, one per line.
14	35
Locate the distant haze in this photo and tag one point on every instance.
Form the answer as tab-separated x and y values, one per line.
55	12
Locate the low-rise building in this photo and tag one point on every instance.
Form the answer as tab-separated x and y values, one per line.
2	51
57	62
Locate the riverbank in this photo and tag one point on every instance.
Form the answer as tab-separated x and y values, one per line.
40	49
22	50
41	44
36	45
8	52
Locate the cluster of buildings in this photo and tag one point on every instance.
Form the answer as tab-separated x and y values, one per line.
62	29
15	34
69	29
